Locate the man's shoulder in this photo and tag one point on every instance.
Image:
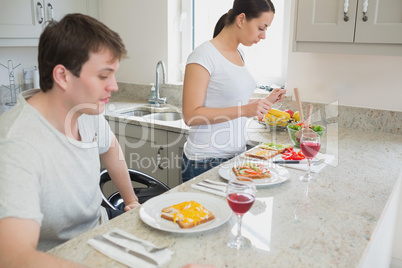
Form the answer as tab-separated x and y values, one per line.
12	121
20	126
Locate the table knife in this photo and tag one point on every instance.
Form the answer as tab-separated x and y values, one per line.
125	249
286	162
314	162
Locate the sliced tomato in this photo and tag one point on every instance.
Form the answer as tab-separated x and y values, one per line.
296	157
301	154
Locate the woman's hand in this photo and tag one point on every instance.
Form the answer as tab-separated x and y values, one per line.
256	108
276	95
131	205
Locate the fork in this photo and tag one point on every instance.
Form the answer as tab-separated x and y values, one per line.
148	247
125	249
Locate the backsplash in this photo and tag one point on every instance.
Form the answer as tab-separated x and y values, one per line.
371	120
140	93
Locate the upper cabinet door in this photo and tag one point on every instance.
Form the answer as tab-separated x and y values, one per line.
22	21
63	7
324	20
383	22
21	18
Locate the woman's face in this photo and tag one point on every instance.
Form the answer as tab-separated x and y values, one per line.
255	29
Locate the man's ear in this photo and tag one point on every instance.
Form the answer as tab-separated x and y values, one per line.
241	19
60	76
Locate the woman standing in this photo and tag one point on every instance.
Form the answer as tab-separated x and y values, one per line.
217	88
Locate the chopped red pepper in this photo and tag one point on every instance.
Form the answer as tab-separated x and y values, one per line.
291	154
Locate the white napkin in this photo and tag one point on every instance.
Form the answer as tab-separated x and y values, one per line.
210	188
161	256
314	168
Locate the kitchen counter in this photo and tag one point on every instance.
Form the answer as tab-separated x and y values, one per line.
349	207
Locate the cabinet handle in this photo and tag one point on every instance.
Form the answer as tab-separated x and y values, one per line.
365	5
345	10
41	12
159	158
50	11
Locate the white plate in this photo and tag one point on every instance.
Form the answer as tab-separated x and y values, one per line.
279	174
150	212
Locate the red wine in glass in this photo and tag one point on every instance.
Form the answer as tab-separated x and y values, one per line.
240	197
240	203
310	148
310	145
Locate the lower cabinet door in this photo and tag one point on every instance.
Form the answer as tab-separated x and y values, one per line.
145	156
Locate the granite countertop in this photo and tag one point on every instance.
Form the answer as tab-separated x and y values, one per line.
332	229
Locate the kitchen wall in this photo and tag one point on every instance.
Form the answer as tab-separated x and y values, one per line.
150	31
353	80
27	56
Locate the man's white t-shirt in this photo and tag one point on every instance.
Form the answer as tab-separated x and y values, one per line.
47	177
229	85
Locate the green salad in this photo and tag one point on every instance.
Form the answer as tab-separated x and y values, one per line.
316	128
293	128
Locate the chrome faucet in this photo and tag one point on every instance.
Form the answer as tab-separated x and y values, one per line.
157	100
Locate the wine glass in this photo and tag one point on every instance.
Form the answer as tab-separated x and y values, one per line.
240	197
310	145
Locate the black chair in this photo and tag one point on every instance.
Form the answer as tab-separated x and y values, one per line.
150	187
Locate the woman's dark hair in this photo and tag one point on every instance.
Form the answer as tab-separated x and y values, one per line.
70	41
251	8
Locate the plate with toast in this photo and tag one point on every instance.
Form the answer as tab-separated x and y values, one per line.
185	212
265	151
261	172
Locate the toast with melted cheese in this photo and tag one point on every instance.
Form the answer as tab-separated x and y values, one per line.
262	153
187	214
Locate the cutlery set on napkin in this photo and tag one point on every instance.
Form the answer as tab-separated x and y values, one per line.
317	164
210	186
130	250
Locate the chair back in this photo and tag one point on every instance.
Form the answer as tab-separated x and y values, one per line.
149	187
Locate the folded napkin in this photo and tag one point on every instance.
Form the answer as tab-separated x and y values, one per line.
210	188
327	159
161	257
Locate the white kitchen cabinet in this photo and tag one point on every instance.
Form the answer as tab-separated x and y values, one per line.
22	21
153	151
322	23
175	155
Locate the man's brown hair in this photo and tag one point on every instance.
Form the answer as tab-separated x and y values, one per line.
69	43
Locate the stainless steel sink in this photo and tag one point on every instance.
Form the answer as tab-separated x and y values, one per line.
153	115
136	113
168	116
